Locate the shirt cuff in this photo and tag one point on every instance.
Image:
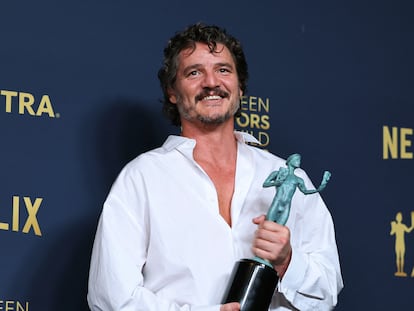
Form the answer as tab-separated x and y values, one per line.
294	275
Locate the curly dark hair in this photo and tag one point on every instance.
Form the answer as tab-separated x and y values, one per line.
210	35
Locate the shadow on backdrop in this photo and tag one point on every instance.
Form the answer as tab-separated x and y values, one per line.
108	141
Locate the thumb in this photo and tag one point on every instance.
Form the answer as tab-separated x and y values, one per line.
259	219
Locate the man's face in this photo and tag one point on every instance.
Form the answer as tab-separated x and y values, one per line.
207	87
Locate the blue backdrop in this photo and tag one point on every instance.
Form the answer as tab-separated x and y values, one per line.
79	98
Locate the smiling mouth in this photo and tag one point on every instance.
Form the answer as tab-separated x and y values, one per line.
212	94
212	97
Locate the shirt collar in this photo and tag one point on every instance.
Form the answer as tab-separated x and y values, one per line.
246	137
175	141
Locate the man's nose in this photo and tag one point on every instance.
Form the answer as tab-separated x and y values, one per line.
210	80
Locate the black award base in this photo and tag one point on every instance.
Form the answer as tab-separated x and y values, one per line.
252	284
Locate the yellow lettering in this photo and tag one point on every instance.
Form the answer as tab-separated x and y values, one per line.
15	222
264	139
9	305
252	103
265	122
26	100
243	103
254	121
404	143
264	105
9	95
31	219
243	120
45	106
20	307
390	142
4	226
255	104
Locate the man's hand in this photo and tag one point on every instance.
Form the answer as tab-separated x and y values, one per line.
272	242
232	306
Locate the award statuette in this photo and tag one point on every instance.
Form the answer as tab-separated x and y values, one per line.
253	281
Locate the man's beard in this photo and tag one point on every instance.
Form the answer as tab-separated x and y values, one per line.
217	119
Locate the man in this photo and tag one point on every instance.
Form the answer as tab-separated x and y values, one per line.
178	217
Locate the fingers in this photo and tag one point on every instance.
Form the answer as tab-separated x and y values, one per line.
271	241
232	306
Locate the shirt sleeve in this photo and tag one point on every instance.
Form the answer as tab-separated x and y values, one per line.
313	279
116	281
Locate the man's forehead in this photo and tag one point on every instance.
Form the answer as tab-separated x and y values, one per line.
219	48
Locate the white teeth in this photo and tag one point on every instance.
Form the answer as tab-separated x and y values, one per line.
211	97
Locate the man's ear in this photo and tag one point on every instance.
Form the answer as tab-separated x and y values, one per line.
240	92
171	96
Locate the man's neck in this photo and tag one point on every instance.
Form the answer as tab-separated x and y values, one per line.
216	144
216	152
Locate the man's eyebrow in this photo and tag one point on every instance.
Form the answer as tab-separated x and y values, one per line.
220	64
226	64
197	66
190	67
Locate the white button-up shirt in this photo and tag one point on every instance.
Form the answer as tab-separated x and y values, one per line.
161	243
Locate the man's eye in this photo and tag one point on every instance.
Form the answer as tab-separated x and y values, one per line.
224	70
193	73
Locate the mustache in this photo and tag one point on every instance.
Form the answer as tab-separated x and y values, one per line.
211	92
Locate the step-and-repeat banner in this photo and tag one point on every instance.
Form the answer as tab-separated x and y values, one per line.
79	98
